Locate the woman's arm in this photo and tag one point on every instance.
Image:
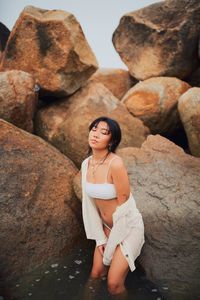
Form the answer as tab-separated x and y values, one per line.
120	179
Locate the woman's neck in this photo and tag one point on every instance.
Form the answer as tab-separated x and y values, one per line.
98	155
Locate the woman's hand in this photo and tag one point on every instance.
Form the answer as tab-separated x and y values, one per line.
102	248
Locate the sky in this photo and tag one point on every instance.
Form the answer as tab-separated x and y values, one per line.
98	19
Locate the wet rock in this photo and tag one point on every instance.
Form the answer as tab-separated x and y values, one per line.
60	58
154	101
165	182
18	99
118	81
160	39
189	110
39	212
65	124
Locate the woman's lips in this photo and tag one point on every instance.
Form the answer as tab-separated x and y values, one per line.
93	141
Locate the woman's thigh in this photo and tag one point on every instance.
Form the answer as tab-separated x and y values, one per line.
98	268
119	268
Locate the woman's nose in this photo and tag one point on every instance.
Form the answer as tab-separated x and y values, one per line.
96	134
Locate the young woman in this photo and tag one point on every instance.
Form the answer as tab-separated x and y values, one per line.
110	214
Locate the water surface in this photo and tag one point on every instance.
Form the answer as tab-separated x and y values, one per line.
68	278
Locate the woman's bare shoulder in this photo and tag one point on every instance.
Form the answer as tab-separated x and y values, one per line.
118	161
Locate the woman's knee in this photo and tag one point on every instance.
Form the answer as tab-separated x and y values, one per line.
115	286
97	272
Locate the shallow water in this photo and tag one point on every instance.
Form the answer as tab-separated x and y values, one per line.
67	278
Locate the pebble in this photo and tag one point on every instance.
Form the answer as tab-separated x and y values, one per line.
46	272
54	265
65	267
77	272
17	285
71	277
38	279
30	294
158	298
78	262
164	287
58	279
154	290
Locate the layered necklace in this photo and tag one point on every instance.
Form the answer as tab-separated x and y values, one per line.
95	165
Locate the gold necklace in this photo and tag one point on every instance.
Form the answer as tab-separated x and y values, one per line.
98	163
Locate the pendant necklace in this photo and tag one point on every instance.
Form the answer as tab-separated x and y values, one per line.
98	163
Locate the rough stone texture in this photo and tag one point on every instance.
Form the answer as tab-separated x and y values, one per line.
160	39
77	185
39	212
65	124
154	101
166	185
118	81
18	99
60	57
189	110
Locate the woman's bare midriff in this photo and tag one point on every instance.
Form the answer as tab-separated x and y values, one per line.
106	209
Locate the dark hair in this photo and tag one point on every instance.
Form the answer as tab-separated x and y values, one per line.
115	130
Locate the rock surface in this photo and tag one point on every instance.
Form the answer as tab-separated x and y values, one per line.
60	58
39	212
154	101
189	110
66	124
118	81
18	99
160	39
166	185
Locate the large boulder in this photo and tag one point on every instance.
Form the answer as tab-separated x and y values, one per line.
189	110
165	182
155	101
65	124
160	39
50	45
118	81
40	215
18	99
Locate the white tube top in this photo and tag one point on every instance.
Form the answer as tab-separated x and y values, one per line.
105	190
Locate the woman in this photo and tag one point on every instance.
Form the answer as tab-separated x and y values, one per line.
110	214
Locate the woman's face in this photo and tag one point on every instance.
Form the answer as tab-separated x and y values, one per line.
99	136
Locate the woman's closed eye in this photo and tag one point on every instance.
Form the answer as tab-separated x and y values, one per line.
103	132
